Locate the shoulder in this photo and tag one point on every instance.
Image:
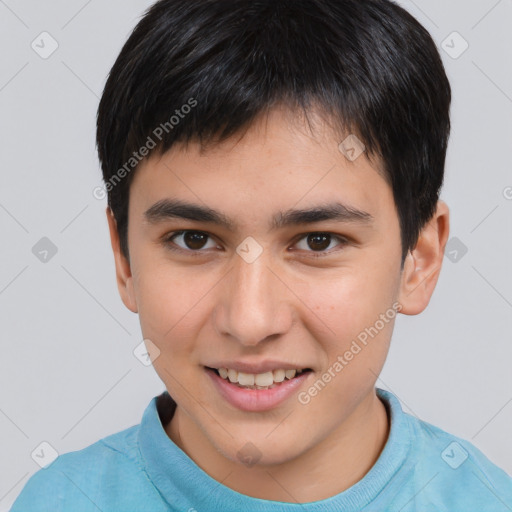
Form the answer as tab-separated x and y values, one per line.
87	479
117	452
456	474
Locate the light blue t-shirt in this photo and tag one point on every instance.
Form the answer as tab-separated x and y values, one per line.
421	468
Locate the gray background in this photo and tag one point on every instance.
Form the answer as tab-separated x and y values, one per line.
67	372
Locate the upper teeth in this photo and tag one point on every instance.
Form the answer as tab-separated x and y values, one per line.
259	379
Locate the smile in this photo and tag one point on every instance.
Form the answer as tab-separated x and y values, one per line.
257	392
266	380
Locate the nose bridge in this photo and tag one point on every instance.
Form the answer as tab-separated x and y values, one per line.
252	303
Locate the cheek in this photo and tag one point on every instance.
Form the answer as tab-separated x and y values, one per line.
348	309
169	305
349	299
171	314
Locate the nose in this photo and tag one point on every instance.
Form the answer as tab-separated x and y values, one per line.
255	303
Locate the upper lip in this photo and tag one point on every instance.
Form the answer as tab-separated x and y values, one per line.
257	367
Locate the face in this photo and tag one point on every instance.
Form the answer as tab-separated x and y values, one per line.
264	294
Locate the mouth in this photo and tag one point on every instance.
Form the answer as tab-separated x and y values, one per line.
257	392
267	380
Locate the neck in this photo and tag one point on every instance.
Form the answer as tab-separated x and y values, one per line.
336	463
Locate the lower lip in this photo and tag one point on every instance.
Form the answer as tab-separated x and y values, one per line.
256	400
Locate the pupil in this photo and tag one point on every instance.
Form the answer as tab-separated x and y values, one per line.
191	239
317	237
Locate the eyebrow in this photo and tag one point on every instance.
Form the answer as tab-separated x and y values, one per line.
167	209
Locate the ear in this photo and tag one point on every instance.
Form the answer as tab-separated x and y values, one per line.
123	271
422	265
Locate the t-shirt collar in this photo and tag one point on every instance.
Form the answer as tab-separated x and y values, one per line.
184	485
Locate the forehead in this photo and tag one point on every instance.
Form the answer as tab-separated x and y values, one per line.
279	162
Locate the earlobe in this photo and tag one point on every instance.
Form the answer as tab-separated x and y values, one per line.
123	271
423	264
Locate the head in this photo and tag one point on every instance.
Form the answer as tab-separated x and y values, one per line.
233	112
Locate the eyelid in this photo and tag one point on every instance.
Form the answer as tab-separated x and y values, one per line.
344	240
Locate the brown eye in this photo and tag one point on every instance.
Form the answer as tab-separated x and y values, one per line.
319	242
192	241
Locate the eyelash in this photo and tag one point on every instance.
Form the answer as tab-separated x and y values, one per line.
172	247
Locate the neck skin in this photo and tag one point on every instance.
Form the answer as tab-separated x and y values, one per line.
338	462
